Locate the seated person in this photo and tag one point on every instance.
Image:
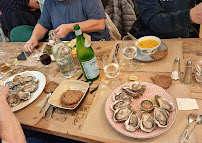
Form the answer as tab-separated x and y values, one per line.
166	18
63	15
10	128
16	13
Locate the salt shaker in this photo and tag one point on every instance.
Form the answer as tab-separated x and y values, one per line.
187	77
176	69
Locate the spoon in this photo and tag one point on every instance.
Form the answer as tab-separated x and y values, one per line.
134	38
191	117
198	121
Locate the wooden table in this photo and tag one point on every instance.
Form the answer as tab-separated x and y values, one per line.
192	50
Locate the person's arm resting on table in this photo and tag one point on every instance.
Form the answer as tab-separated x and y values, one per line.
10	128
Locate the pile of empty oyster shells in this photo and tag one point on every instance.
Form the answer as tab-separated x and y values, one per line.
21	88
124	112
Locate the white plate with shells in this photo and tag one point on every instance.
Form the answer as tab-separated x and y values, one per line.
24	87
124	113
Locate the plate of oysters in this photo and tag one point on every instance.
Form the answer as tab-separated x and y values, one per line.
24	87
140	110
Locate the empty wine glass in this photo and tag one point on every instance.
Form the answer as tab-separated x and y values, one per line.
129	48
111	68
31	56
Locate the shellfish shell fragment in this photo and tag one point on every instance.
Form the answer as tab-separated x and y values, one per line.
121	96
147	123
164	103
161	117
120	104
132	123
122	114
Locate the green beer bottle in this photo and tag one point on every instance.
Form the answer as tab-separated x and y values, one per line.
86	56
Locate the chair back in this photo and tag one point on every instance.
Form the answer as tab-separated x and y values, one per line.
21	33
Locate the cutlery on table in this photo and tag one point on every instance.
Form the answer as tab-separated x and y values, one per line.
191	117
48	96
198	122
95	89
50	112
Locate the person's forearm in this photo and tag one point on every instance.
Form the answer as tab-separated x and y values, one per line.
38	32
89	26
10	128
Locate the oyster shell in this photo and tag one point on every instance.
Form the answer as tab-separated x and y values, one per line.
121	96
24	95
164	103
161	117
30	87
122	114
132	123
147	123
13	100
120	104
134	89
17	79
9	84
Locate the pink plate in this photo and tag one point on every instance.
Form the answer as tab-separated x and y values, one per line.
149	93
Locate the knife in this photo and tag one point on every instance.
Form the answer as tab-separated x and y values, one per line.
117	50
96	88
50	112
49	95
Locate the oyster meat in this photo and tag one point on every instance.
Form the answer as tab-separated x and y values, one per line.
164	103
120	104
161	117
9	84
132	123
13	100
121	96
147	123
122	114
134	89
24	95
17	79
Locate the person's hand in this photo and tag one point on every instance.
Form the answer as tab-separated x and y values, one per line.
196	14
63	30
29	45
33	5
4	91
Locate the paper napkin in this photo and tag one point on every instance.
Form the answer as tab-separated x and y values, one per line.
187	104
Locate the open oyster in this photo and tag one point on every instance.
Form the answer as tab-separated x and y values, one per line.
133	122
9	84
120	104
147	123
122	114
121	96
161	117
13	100
30	87
24	95
164	103
17	79
134	89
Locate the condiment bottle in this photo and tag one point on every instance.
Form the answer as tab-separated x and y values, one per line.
187	77
86	56
62	56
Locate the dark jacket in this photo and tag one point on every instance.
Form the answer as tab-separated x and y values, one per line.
163	18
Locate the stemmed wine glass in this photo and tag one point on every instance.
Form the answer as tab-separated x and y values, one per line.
31	55
111	68
45	59
129	48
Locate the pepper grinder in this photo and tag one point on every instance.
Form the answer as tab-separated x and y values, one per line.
176	69
187	77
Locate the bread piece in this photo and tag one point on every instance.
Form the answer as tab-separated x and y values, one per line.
71	97
50	87
159	55
162	80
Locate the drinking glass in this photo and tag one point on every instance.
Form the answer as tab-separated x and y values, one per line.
45	59
129	48
198	72
32	56
111	68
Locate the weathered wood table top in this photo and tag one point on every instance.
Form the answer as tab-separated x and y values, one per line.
192	50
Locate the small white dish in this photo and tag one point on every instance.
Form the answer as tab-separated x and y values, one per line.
148	51
55	98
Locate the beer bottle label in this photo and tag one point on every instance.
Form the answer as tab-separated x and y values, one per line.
91	69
